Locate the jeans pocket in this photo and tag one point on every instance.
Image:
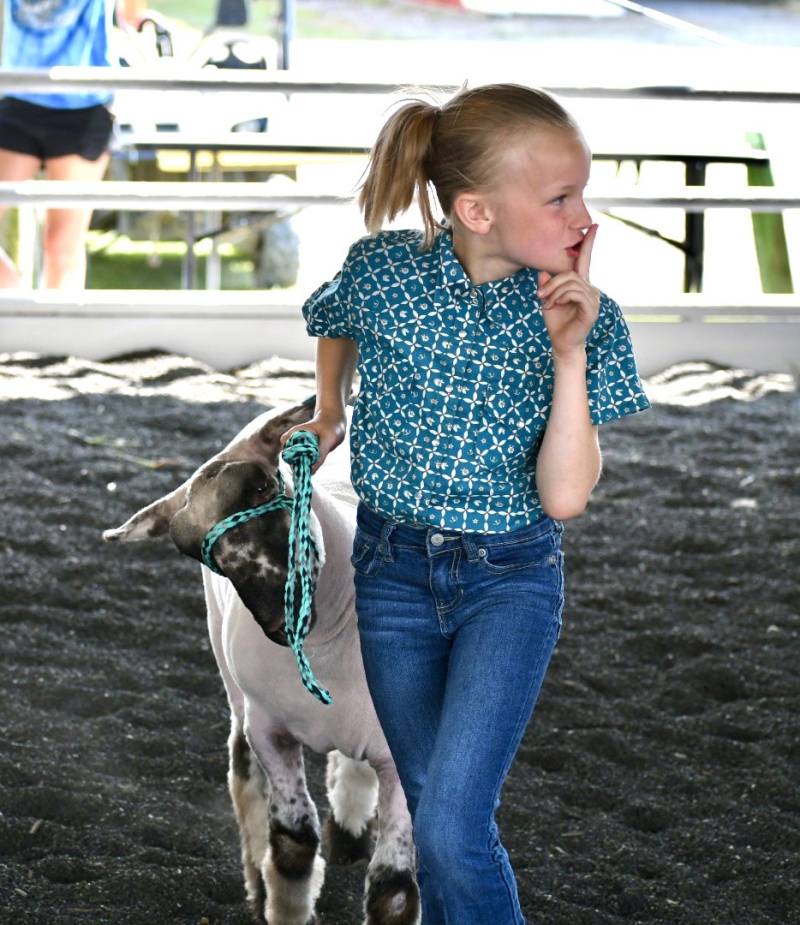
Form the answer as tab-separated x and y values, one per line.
499	559
365	559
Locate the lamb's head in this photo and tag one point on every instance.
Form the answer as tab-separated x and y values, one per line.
253	554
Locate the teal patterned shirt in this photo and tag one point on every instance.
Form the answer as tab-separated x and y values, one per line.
456	382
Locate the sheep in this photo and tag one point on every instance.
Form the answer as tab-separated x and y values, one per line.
272	715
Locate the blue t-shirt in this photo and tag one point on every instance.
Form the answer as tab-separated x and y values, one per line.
40	34
456	382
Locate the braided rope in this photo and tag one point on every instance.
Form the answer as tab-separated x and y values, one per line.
301	452
279	502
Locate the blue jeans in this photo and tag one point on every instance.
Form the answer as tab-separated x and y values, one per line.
457	630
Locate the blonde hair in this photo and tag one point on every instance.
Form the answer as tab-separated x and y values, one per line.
452	148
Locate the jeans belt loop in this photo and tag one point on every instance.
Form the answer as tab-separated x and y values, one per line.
469	545
384	546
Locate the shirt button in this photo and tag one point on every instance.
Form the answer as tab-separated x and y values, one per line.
437	539
462	334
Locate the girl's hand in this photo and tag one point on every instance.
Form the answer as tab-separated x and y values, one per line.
330	428
569	302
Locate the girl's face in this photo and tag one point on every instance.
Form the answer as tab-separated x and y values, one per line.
538	216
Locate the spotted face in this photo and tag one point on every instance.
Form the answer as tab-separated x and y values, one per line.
252	555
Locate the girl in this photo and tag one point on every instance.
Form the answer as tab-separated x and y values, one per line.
487	360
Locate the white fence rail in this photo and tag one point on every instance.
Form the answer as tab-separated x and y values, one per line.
75	79
234	328
155	196
228	329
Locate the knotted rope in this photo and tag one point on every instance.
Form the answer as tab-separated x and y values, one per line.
301	452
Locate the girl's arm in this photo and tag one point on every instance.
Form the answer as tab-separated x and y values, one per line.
336	364
568	465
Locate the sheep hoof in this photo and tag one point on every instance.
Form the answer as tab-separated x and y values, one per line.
392	897
342	847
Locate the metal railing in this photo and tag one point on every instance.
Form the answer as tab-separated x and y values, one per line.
779	316
75	79
156	196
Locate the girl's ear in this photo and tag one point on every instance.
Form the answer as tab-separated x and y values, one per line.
473	211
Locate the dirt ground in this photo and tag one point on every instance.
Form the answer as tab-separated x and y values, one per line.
657	783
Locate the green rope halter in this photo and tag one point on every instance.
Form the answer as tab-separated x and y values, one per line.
280	502
301	452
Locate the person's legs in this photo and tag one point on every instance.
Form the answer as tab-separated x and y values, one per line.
65	229
14	166
456	637
504	629
405	659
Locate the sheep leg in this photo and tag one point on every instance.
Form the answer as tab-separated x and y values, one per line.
293	870
249	789
392	896
353	797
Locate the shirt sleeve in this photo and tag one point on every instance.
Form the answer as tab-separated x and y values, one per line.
329	310
612	379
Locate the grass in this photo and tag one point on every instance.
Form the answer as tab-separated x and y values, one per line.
122	263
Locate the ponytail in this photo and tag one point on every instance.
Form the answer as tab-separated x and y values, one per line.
456	147
399	166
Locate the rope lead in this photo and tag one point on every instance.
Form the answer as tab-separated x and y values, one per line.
300	453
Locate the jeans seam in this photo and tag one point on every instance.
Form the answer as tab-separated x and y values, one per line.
519	542
443	610
454	568
506	767
506	569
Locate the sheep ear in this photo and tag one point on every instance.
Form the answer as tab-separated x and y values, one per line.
151	521
259	441
267	438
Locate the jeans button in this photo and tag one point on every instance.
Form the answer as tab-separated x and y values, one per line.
437	539
482	553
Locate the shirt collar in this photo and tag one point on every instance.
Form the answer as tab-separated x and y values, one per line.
452	274
454	278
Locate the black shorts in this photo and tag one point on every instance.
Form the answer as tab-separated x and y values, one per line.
44	132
